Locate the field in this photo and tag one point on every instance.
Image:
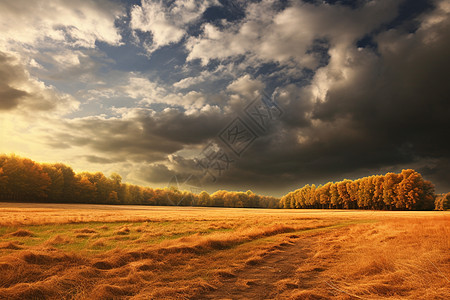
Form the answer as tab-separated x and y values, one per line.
52	251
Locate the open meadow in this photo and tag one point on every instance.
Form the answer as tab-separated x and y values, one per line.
64	251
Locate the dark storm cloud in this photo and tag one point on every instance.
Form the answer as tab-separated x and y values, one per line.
158	173
118	139
144	136
362	85
365	111
97	159
188	129
382	112
437	171
19	91
10	97
401	98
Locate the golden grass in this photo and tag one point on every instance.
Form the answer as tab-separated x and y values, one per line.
21	233
58	240
399	258
116	252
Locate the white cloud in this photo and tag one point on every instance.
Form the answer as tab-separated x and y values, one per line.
189	81
287	36
167	24
246	86
145	92
68	58
206	76
149	92
57	39
77	24
142	88
439	16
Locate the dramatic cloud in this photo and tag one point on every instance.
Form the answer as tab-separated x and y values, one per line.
145	89
166	23
288	36
20	92
78	24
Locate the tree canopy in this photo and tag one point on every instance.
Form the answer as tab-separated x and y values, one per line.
23	180
404	191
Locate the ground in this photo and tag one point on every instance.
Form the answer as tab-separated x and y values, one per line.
68	251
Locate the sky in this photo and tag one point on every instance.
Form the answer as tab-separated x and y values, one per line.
262	95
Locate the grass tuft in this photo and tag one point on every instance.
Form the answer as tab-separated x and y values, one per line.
22	233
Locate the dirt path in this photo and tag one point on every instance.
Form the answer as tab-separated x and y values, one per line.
266	279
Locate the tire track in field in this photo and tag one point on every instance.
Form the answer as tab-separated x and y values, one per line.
267	278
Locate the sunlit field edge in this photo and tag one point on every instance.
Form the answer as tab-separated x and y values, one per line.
132	252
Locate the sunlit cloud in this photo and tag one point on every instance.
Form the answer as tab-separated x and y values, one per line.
141	89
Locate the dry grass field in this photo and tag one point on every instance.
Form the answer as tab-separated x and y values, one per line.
50	251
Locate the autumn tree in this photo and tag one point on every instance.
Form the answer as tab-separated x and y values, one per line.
334	196
378	192
324	195
25	179
56	188
86	191
442	202
390	183
22	179
204	199
407	190
344	196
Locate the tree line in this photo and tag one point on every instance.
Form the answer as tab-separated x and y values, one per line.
23	180
404	191
442	201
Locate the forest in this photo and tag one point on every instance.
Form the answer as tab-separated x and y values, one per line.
23	180
405	191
